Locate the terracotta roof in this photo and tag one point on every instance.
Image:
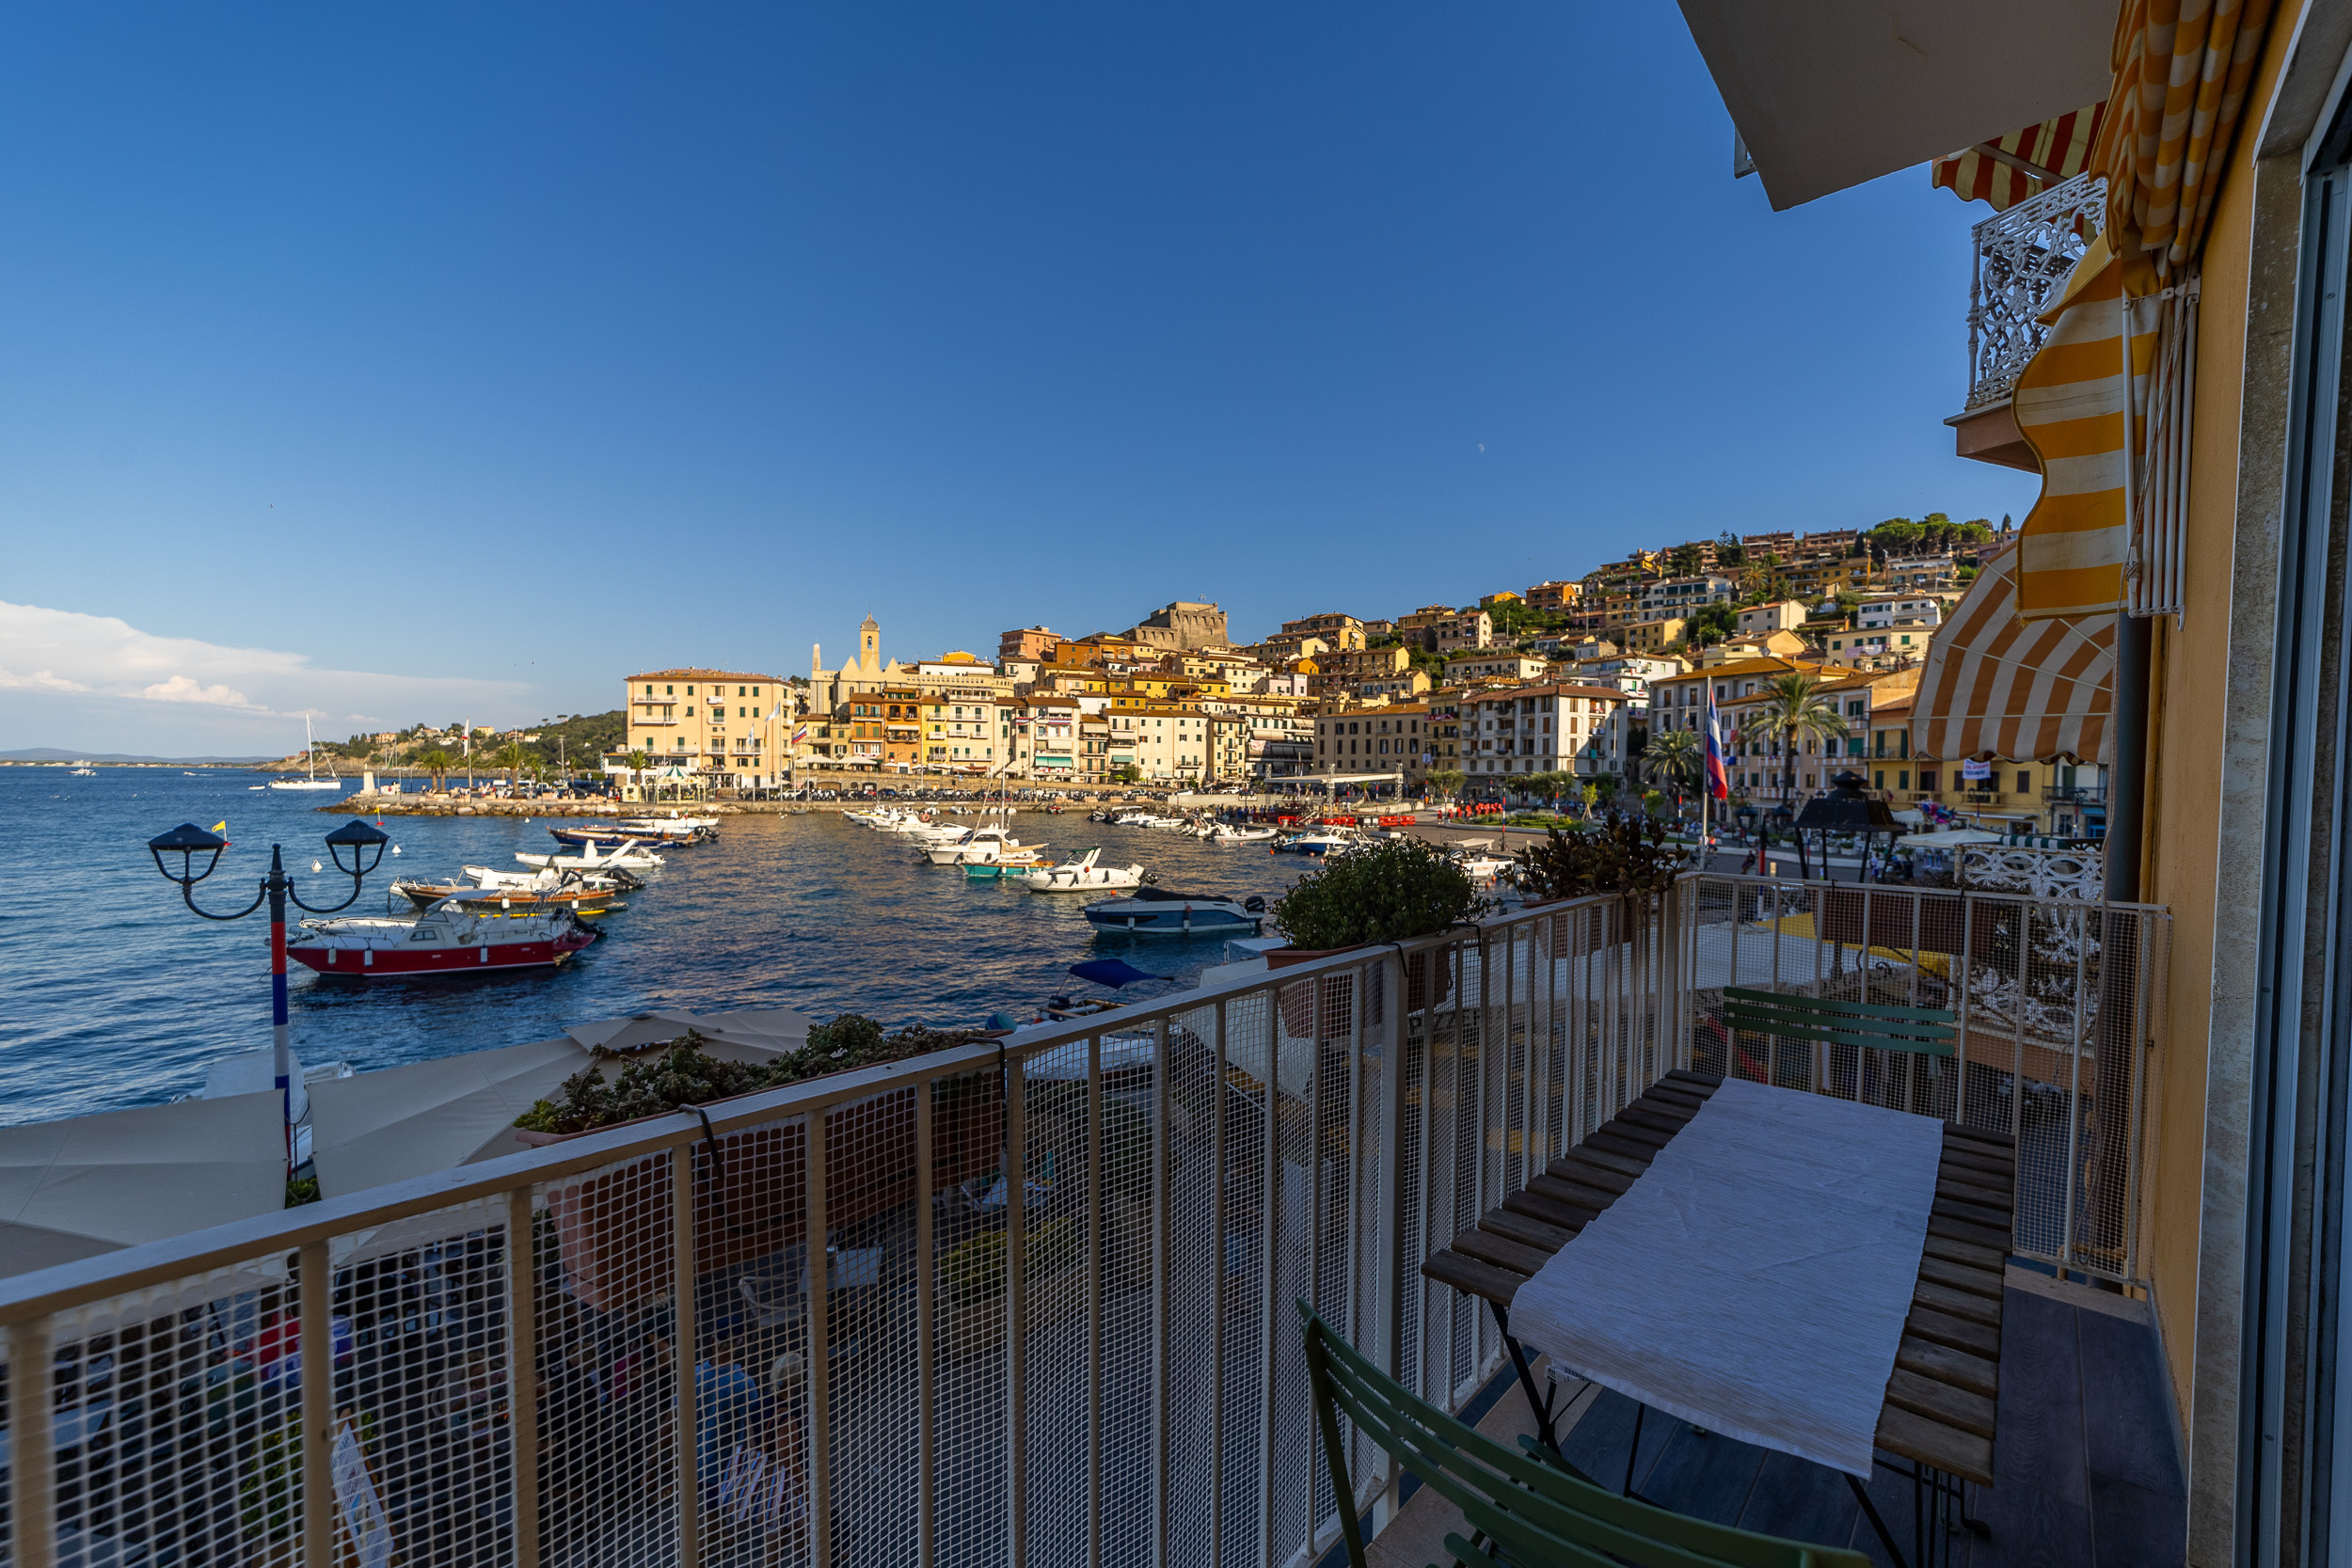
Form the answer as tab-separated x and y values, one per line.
696	674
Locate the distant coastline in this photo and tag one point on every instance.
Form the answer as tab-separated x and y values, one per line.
42	756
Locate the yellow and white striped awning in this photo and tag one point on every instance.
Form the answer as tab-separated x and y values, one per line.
2182	69
1998	687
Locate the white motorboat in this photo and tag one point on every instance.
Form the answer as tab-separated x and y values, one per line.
546	882
1225	833
311	780
629	857
1083	874
1158	913
1484	867
980	846
1320	841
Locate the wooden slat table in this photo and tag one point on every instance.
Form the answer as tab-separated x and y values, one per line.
1940	1400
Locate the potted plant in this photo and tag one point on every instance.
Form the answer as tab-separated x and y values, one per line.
1617	858
1388	890
611	1224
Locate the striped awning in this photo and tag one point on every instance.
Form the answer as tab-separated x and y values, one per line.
2009	170
1998	687
2181	69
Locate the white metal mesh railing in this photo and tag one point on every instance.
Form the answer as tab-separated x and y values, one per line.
1027	1304
2055	1008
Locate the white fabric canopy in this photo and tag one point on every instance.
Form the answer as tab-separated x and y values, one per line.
91	1184
1753	1281
385	1126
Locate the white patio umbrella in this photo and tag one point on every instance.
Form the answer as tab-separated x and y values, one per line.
91	1184
385	1126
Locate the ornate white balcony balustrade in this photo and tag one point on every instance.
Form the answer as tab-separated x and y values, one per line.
2023	257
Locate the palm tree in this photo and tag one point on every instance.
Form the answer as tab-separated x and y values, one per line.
438	763
1678	757
1795	710
511	757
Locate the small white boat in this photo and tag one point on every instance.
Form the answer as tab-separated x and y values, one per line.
1083	876
1225	833
980	846
629	857
1484	867
1319	841
84	773
546	882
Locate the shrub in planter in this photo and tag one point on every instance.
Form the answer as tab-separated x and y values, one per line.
1618	858
1387	891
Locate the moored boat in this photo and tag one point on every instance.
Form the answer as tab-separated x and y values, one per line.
589	903
1083	874
1160	912
447	939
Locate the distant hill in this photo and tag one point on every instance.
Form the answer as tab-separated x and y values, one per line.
50	753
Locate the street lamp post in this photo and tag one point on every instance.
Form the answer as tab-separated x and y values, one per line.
188	841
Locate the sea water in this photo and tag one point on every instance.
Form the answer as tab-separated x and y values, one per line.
112	994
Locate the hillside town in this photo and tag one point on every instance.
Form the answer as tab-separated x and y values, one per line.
1814	646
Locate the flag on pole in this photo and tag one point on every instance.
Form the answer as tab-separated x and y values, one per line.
1717	781
776	712
799	735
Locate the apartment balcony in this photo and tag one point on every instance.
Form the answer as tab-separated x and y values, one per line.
2022	258
517	1359
2075	795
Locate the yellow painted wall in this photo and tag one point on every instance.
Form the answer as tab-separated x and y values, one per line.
2186	758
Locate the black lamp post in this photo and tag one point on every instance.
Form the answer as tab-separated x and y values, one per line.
188	841
1847	808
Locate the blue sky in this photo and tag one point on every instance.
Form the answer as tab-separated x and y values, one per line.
408	362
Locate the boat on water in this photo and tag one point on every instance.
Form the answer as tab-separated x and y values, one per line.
607	838
1319	841
616	881
311	778
1484	867
447	939
1013	862
589	903
1226	832
1160	912
628	856
83	772
980	846
1083	874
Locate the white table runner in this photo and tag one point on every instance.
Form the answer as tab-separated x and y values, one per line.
1754	1279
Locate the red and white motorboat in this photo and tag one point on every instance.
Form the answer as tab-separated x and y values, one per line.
447	939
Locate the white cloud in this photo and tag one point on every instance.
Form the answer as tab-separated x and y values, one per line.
39	680
181	690
113	684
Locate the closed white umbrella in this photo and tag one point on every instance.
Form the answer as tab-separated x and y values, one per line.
91	1184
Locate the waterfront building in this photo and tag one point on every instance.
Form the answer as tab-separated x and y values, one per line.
1630	674
1559	727
1374	745
1550	596
723	723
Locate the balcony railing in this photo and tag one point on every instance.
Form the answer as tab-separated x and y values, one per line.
2023	256
2080	795
614	1351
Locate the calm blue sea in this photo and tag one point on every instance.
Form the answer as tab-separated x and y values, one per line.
112	994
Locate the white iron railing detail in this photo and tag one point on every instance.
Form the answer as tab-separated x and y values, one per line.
2022	258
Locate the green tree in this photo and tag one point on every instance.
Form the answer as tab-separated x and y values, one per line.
1795	711
513	758
1677	758
437	762
1686	561
1730	555
1710	625
1446	782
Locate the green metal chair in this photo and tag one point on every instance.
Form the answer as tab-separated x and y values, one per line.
1522	1513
